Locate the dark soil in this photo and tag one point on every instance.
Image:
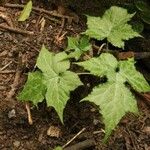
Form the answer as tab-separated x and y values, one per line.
18	53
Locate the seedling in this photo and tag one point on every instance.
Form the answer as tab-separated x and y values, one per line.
79	45
54	81
114	97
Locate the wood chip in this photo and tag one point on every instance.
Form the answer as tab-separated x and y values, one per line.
54	131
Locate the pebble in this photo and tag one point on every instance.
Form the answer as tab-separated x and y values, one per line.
96	121
12	114
16	143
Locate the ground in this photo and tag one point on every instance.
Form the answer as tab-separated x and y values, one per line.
18	53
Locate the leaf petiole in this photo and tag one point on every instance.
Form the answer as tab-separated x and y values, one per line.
83	73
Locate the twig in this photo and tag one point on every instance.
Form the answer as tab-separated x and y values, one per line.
73	138
81	145
7	72
59	39
5	17
53	19
100	48
87	56
32	46
141	55
30	121
97	132
132	139
14	85
61	28
147	96
16	30
41	10
16	79
4	67
9	98
125	55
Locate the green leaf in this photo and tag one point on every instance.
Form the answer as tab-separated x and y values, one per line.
58	90
113	97
84	44
133	77
113	26
114	100
79	45
58	148
54	83
59	82
52	64
72	43
34	89
26	11
101	65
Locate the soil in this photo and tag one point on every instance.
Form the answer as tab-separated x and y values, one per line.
18	53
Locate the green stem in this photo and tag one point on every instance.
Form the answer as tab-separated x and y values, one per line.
82	73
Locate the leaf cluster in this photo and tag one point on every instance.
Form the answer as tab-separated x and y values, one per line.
53	81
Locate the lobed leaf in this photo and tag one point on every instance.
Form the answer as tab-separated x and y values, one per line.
54	83
114	100
113	26
58	81
113	97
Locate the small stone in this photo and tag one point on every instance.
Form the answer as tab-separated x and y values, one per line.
16	144
12	114
24	137
92	109
96	121
33	21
